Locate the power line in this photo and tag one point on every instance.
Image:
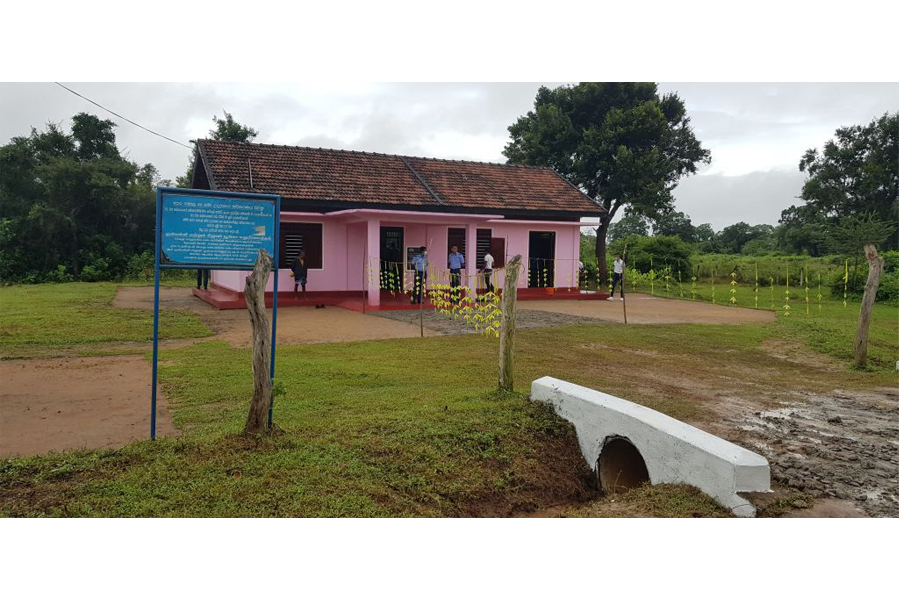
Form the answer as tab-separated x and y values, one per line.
121	117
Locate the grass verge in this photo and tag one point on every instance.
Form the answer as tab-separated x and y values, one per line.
35	319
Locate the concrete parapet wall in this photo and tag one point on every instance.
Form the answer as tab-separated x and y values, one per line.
673	451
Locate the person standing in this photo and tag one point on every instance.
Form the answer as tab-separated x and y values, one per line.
488	272
420	264
300	271
455	262
203	278
618	270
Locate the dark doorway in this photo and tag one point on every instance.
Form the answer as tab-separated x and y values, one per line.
391	275
541	252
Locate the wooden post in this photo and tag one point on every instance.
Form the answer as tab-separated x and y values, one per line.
508	323
622	289
254	293
876	265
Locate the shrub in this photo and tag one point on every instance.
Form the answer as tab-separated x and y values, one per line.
140	266
662	251
887	287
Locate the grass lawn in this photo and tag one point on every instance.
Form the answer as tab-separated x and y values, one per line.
410	427
35	319
826	326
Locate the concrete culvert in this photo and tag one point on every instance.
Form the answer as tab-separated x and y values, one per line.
620	466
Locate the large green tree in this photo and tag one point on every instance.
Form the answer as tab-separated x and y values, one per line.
630	224
855	173
226	129
70	205
675	223
623	144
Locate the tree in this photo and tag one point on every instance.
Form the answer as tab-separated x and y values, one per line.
801	230
855	173
733	238
630	224
851	233
675	223
705	236
227	130
623	144
70	205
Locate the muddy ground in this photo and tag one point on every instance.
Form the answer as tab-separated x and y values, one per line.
839	446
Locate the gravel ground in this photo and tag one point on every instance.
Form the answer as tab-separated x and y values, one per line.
525	319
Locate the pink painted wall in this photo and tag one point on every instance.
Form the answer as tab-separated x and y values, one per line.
344	247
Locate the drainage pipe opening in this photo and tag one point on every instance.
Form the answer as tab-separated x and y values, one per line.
620	466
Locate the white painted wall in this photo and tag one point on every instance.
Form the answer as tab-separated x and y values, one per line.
673	451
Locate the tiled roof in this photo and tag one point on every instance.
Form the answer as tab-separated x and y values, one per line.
317	174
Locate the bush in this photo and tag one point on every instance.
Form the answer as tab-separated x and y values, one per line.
659	252
140	266
59	275
887	287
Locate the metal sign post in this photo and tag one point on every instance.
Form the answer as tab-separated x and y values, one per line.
203	229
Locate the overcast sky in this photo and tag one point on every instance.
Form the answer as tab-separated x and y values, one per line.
756	132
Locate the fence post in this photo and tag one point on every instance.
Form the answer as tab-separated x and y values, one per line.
508	323
876	265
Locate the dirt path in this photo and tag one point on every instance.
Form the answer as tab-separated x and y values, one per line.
436	324
296	324
71	403
646	309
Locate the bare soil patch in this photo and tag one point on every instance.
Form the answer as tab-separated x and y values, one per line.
646	309
72	403
438	324
296	324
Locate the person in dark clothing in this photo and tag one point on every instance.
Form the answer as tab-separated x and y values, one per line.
203	279
300	271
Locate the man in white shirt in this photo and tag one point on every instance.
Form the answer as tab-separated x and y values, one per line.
488	272
618	270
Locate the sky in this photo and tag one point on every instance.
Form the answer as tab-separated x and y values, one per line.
756	132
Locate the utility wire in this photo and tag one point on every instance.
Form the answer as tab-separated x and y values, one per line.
121	117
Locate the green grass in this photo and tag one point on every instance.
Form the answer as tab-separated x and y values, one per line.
825	326
402	427
38	318
410	426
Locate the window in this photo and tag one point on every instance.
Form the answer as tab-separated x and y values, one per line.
294	237
482	245
456	236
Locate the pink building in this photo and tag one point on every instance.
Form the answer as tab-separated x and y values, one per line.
360	217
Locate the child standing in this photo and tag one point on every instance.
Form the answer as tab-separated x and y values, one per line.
300	271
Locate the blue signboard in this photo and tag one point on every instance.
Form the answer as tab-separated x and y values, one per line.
221	232
203	229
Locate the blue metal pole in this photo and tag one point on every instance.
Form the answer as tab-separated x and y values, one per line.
274	308
155	315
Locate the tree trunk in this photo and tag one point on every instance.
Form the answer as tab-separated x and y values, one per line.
254	293
601	255
876	265
508	323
